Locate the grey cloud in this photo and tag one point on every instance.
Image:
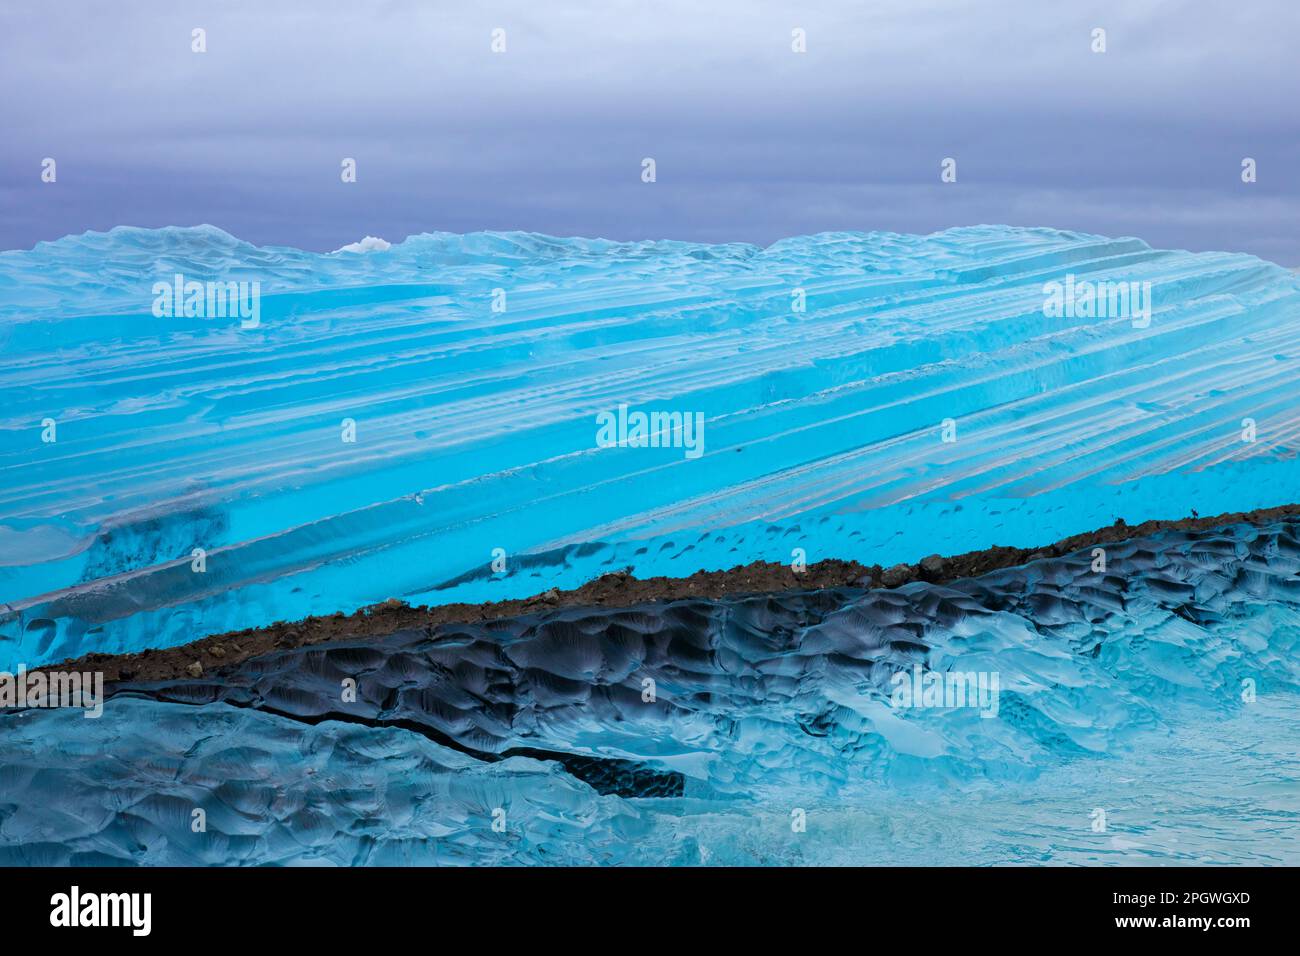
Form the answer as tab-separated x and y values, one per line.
753	142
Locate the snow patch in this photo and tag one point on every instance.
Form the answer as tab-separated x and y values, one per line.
368	244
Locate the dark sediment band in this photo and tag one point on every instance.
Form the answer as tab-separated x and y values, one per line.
209	656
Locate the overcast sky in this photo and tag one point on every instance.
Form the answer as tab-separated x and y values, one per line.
752	141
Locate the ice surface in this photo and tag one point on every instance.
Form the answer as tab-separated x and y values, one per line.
476	429
1125	691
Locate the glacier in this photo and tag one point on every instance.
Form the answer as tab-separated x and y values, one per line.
1159	697
473	368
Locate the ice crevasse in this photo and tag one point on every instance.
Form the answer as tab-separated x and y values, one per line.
423	421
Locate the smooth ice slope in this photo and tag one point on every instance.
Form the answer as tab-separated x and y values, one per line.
476	429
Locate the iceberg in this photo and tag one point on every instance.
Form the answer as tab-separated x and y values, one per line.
424	421
1157	699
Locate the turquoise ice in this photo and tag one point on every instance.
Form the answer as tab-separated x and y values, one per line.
474	368
1143	715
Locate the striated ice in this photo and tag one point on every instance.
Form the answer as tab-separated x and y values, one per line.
476	428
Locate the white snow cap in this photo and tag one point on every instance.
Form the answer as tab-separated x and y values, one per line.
368	244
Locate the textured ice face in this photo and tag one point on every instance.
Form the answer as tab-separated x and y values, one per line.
473	371
1162	691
